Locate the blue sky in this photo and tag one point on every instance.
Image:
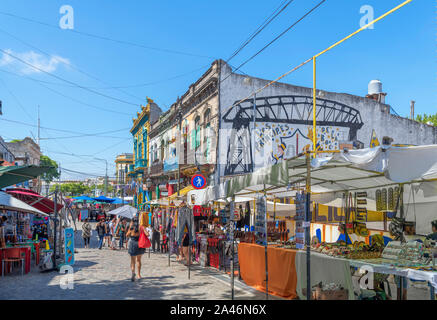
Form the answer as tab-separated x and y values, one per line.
400	52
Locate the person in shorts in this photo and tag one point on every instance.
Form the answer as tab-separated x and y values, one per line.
134	250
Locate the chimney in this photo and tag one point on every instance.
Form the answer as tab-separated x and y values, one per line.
375	91
412	110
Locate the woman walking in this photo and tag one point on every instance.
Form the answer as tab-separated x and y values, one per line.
134	250
86	233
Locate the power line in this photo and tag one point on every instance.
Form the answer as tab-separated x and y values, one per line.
107	38
68	81
110	147
69	65
16	99
280	35
60	130
261	28
64	95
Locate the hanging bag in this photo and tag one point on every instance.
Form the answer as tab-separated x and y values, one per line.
144	241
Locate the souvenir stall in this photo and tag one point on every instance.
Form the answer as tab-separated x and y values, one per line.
348	176
16	232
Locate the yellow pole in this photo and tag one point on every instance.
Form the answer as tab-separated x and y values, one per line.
314	108
364	27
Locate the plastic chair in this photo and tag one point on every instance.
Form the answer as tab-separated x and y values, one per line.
11	256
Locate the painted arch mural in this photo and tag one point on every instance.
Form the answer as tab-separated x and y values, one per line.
269	129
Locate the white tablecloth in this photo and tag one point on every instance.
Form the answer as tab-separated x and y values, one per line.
324	269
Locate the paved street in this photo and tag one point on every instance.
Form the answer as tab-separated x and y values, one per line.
105	275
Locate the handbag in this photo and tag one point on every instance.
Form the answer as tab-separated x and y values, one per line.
144	241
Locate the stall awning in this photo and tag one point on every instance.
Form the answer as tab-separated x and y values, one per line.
9	202
103	199
351	170
16	174
34	200
124	211
182	193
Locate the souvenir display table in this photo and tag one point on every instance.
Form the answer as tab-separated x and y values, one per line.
26	250
287	270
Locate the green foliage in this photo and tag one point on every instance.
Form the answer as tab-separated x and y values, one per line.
102	187
72	189
16	140
427	118
53	173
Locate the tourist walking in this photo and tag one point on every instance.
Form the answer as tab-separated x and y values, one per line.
86	233
134	250
156	235
108	232
112	225
121	231
101	231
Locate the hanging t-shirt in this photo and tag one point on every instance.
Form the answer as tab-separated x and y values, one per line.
197	211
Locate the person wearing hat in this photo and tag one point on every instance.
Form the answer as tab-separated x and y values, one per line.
433	235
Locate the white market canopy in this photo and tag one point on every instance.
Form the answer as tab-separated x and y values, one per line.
344	171
126	211
8	202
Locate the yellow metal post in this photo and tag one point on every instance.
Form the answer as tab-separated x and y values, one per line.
314	107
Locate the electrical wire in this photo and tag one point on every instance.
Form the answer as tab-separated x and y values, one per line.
60	130
66	96
260	28
67	81
68	64
107	38
276	38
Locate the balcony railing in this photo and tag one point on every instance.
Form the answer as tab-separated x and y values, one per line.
156	168
140	163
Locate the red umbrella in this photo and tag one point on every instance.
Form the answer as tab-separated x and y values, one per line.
31	197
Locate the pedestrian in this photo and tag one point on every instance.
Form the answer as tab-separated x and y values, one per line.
86	233
186	247
112	225
101	231
134	250
121	232
156	235
108	232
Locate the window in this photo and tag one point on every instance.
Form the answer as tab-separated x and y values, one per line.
197	132
207	138
162	150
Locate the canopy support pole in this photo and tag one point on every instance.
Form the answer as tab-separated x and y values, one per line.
307	225
266	243
231	234
55	228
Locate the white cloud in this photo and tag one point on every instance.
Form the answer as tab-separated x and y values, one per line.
48	64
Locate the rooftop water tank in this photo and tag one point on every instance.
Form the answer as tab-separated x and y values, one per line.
375	87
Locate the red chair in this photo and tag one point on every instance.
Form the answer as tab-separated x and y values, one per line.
11	256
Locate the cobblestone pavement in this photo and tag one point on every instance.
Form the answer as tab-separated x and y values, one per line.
105	274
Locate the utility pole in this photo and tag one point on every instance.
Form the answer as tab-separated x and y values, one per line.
106	178
39	130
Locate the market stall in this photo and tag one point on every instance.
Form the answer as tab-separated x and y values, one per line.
346	175
16	232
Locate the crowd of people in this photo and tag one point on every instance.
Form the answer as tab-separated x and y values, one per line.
124	234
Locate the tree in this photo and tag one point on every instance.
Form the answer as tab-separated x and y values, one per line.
73	189
102	188
53	173
427	118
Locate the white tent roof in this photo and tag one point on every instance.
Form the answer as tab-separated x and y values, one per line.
8	202
351	170
126	211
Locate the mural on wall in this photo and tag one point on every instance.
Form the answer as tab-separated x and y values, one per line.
374	142
282	128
